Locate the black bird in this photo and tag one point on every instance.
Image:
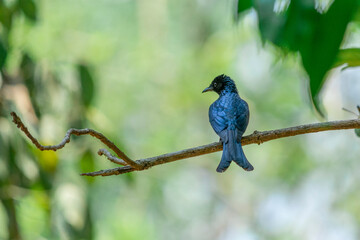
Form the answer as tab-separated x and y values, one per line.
229	117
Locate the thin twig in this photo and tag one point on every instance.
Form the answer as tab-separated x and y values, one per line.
256	137
349	111
77	132
142	164
112	158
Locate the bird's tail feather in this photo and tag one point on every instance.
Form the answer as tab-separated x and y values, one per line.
232	151
225	159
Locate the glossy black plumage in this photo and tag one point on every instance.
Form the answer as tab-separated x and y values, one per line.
229	117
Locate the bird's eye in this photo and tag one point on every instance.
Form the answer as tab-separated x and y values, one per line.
215	84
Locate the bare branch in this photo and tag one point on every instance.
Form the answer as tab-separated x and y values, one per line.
256	137
112	158
77	132
161	159
142	164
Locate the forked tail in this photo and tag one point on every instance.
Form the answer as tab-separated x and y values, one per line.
232	151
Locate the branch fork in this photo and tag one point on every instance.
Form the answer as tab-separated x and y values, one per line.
129	165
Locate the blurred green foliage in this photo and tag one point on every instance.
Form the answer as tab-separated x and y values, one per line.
28	7
349	56
28	169
357	131
316	34
87	85
134	70
3	55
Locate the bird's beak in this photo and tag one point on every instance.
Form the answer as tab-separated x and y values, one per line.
208	89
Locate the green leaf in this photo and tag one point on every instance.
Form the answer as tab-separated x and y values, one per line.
87	84
28	7
3	55
325	43
349	56
270	23
87	164
5	16
244	5
303	29
357	132
27	70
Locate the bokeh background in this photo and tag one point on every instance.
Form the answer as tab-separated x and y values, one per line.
134	70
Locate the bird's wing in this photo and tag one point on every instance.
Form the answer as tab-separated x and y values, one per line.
217	117
242	117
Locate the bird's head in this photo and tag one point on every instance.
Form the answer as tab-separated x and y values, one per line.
221	83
